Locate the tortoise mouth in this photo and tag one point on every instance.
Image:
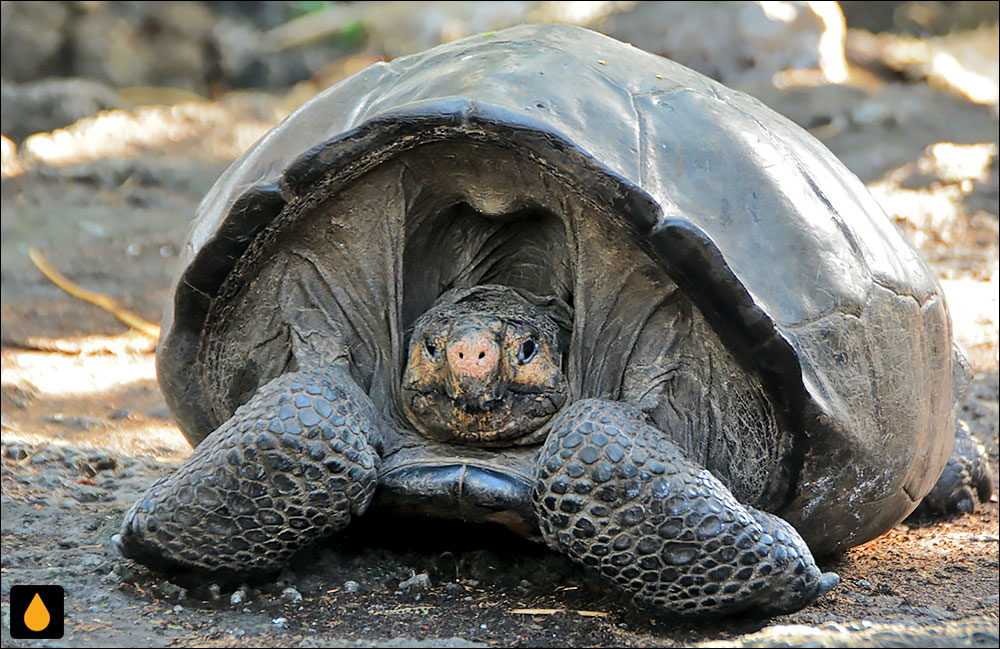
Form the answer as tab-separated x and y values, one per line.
514	420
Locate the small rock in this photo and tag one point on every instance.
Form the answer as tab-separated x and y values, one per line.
98	461
238	597
159	412
93	562
121	413
472	583
280	622
78	422
934	612
15	452
126	573
214	591
291	594
173	591
454	589
416	582
864	583
351	586
46	454
178	608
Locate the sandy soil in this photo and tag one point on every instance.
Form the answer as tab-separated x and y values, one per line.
85	428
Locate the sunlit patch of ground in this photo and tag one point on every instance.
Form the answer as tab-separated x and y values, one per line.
964	62
209	130
935	210
975	315
87	400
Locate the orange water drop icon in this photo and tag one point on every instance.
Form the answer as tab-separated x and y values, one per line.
36	617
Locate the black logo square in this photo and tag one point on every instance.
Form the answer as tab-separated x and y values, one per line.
36	612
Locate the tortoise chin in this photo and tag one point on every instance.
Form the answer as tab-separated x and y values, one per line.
513	419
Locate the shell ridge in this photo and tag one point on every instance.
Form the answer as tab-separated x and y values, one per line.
846	232
857	310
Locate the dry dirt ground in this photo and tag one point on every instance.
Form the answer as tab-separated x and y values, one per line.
85	428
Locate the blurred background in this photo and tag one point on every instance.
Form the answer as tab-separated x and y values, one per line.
117	117
145	103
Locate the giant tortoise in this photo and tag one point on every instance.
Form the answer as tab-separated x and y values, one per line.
541	278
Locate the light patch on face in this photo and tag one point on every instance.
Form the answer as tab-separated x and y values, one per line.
542	371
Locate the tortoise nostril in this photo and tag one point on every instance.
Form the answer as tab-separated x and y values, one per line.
473	355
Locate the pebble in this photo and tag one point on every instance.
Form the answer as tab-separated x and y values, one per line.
417	582
178	608
159	412
238	597
102	461
351	586
46	454
215	591
15	452
280	622
291	594
173	591
79	422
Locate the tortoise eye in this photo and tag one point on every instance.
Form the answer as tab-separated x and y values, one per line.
528	350
431	349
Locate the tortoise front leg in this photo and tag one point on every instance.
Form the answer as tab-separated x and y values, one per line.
291	465
619	497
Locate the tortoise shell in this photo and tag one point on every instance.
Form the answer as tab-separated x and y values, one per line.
782	249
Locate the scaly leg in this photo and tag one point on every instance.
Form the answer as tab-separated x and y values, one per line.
291	465
617	496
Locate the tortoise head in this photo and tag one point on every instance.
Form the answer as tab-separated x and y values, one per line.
484	368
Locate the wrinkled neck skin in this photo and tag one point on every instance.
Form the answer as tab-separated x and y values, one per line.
484	368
